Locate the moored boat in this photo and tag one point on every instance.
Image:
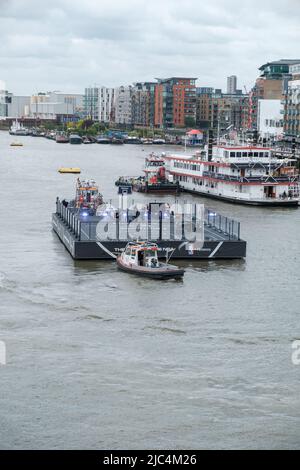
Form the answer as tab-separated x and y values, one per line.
75	139
62	138
87	140
240	174
132	140
18	129
102	139
117	141
155	179
141	258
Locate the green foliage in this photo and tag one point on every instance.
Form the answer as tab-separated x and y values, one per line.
135	133
50	126
86	127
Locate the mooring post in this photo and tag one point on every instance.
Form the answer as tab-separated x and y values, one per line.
160	225
118	225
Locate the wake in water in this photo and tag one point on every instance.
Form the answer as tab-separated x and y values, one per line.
6	284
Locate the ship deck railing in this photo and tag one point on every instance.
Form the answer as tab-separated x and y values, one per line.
216	226
251	179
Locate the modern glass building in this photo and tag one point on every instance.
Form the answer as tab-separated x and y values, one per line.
91	103
292	104
278	69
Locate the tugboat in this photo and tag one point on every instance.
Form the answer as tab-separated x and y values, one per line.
141	258
87	198
155	179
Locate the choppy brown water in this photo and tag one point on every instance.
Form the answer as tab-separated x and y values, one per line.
100	359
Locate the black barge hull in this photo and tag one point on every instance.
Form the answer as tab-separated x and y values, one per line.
158	188
220	248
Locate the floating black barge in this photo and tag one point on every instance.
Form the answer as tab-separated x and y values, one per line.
221	235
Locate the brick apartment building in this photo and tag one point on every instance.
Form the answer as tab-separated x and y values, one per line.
175	102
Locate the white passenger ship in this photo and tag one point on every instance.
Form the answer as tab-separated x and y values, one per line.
238	174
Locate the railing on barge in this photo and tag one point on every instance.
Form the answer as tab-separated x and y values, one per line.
214	223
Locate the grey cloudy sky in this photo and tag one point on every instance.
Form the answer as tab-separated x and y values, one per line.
69	44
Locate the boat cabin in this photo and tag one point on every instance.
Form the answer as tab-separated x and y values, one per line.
87	194
141	254
155	170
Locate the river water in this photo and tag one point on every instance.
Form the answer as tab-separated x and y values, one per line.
100	359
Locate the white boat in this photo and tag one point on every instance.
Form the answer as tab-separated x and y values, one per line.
241	174
141	258
18	129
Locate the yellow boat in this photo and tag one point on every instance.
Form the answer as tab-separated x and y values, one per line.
70	170
16	144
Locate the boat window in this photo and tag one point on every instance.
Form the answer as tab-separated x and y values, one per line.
239	154
149	254
245	154
256	154
232	154
250	154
